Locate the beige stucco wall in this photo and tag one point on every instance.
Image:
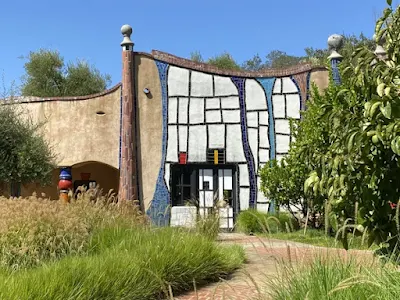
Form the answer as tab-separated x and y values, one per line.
320	78
150	126
74	130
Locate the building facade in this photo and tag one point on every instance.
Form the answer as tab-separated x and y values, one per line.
176	134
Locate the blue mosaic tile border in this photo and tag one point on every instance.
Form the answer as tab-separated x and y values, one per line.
239	83
159	210
308	89
335	71
268	85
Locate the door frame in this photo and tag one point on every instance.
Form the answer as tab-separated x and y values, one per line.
195	167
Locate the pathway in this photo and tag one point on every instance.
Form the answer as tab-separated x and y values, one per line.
265	257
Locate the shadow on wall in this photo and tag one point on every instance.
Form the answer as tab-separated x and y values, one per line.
102	174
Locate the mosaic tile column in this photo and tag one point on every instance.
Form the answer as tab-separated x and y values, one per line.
335	42
159	210
239	83
128	167
335	71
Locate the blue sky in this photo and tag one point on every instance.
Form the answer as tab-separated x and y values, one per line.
90	29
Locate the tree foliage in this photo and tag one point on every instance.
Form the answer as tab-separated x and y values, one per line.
223	61
350	140
24	154
47	75
281	59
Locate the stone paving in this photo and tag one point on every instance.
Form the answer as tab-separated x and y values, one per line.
265	257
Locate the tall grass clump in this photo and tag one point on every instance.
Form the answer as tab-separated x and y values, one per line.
128	264
334	278
34	230
252	221
208	226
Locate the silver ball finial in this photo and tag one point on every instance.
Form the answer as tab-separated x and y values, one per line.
335	43
126	31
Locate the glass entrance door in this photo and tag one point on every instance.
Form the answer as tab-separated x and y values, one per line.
225	195
210	188
206	191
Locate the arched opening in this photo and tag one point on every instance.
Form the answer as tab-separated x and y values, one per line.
93	172
106	176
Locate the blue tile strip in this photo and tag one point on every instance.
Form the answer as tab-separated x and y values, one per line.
239	82
268	85
308	89
335	71
159	210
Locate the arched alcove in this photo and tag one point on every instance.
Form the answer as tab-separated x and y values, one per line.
106	176
103	174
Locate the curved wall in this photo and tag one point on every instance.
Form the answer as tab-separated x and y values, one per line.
245	113
75	130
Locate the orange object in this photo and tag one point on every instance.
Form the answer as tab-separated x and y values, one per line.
64	197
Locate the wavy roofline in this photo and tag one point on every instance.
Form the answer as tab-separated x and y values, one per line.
207	68
29	99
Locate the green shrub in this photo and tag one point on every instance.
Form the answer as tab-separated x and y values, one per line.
253	221
142	263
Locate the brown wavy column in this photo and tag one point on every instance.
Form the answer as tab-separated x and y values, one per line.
128	168
301	80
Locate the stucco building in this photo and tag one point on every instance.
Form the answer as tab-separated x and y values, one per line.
175	131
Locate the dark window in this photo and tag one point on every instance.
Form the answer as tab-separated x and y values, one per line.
183	184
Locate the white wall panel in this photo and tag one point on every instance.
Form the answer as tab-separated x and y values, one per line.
255	96
224	86
216	136
183	110
178	81
201	84
172	146
196	111
234	145
197	144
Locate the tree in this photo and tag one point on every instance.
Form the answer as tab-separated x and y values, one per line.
254	64
280	59
355	157
223	61
48	76
25	156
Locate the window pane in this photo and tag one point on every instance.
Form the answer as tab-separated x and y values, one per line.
186	194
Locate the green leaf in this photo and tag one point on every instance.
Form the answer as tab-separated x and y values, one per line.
395	145
350	142
374	107
386	110
389	2
380	89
